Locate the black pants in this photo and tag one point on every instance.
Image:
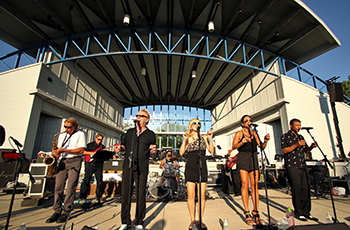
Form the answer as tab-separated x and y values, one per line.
140	179
68	169
85	185
300	191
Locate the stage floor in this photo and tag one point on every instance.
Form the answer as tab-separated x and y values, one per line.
170	215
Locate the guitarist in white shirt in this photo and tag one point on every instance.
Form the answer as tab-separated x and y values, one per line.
93	166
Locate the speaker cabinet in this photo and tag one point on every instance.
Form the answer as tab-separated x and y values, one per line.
42	187
342	183
214	178
231	180
339	226
113	165
335	91
38	169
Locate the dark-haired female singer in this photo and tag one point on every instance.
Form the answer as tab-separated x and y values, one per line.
246	142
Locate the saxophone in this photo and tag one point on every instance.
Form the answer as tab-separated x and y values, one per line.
51	161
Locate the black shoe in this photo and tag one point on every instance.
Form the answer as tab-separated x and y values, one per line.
63	218
53	218
311	218
302	218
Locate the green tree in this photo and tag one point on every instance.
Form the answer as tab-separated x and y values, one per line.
346	88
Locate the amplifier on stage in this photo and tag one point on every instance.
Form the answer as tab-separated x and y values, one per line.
113	165
214	178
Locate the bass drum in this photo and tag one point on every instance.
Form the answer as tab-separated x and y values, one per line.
156	190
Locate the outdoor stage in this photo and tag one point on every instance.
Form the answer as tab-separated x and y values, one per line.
170	215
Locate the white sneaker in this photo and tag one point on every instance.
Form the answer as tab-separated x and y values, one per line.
139	227
123	227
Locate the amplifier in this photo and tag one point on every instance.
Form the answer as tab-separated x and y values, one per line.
214	178
113	165
342	183
38	169
42	187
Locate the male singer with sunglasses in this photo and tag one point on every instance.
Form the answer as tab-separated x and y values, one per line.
93	166
142	142
71	145
294	148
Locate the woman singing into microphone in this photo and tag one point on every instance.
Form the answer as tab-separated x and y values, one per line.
246	142
191	143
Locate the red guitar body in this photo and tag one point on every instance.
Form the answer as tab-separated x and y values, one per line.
232	162
89	158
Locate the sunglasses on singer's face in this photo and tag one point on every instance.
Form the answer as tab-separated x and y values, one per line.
245	120
196	123
140	115
68	127
99	139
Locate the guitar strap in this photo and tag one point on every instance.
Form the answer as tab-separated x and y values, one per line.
66	140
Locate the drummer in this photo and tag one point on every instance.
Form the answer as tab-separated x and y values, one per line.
169	162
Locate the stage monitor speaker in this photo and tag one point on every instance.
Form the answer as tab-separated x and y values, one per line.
335	91
42	187
339	226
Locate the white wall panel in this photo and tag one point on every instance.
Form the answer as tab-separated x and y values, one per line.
17	104
313	108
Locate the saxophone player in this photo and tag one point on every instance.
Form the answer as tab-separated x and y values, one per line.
70	149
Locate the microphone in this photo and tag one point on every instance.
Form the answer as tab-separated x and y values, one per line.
135	120
254	125
307	128
16	142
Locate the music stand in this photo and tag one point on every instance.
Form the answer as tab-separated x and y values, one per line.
103	155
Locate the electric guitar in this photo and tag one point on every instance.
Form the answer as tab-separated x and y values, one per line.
90	158
231	162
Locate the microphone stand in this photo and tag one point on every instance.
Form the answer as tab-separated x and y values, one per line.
18	166
269	226
335	220
200	179
130	168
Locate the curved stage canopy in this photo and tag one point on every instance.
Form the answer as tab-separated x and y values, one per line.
152	58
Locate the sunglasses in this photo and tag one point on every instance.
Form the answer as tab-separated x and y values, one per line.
68	127
196	123
140	115
245	120
99	139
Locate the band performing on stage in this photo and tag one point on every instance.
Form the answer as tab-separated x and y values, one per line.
139	147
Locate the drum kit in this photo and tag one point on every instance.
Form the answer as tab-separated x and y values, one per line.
163	186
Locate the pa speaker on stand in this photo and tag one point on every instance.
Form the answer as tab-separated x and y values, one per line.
335	91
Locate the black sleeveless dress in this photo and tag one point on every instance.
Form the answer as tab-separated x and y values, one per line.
192	165
247	158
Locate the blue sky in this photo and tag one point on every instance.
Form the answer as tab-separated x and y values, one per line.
335	13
